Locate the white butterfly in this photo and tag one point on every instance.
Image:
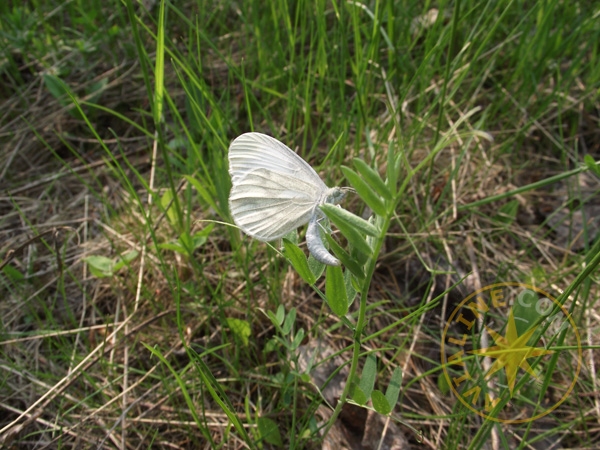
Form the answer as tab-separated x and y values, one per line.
274	191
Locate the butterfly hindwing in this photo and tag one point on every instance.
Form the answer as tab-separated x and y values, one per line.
267	205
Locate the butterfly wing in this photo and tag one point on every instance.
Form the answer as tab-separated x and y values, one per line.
252	151
274	191
267	205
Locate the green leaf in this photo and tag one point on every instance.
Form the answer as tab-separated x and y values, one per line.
94	92
335	291
240	328
185	240
369	196
289	322
393	391
358	395
173	246
350	290
297	339
200	238
380	403
316	267
369	373
280	314
125	259
271	345
269	431
591	164
297	259
507	213
340	215
443	384
528	309
58	88
292	236
13	273
206	196
392	168
166	201
357	255
373	178
350	263
61	91
354	237
100	266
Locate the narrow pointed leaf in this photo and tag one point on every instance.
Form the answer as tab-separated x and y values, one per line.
273	318
526	315
361	257
316	267
350	289
391	172
367	380
350	263
380	403
297	339
206	196
166	202
393	390
280	314
369	196
296	257
290	319
507	213
338	215
373	178
335	291
355	239
57	87
397	163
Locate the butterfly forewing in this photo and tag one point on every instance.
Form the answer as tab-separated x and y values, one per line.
252	151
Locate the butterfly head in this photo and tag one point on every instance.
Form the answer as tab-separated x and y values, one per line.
336	195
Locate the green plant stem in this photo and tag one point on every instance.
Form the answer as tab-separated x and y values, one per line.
294	409
383	223
361	321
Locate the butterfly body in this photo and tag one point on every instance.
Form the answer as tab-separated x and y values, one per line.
315	244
